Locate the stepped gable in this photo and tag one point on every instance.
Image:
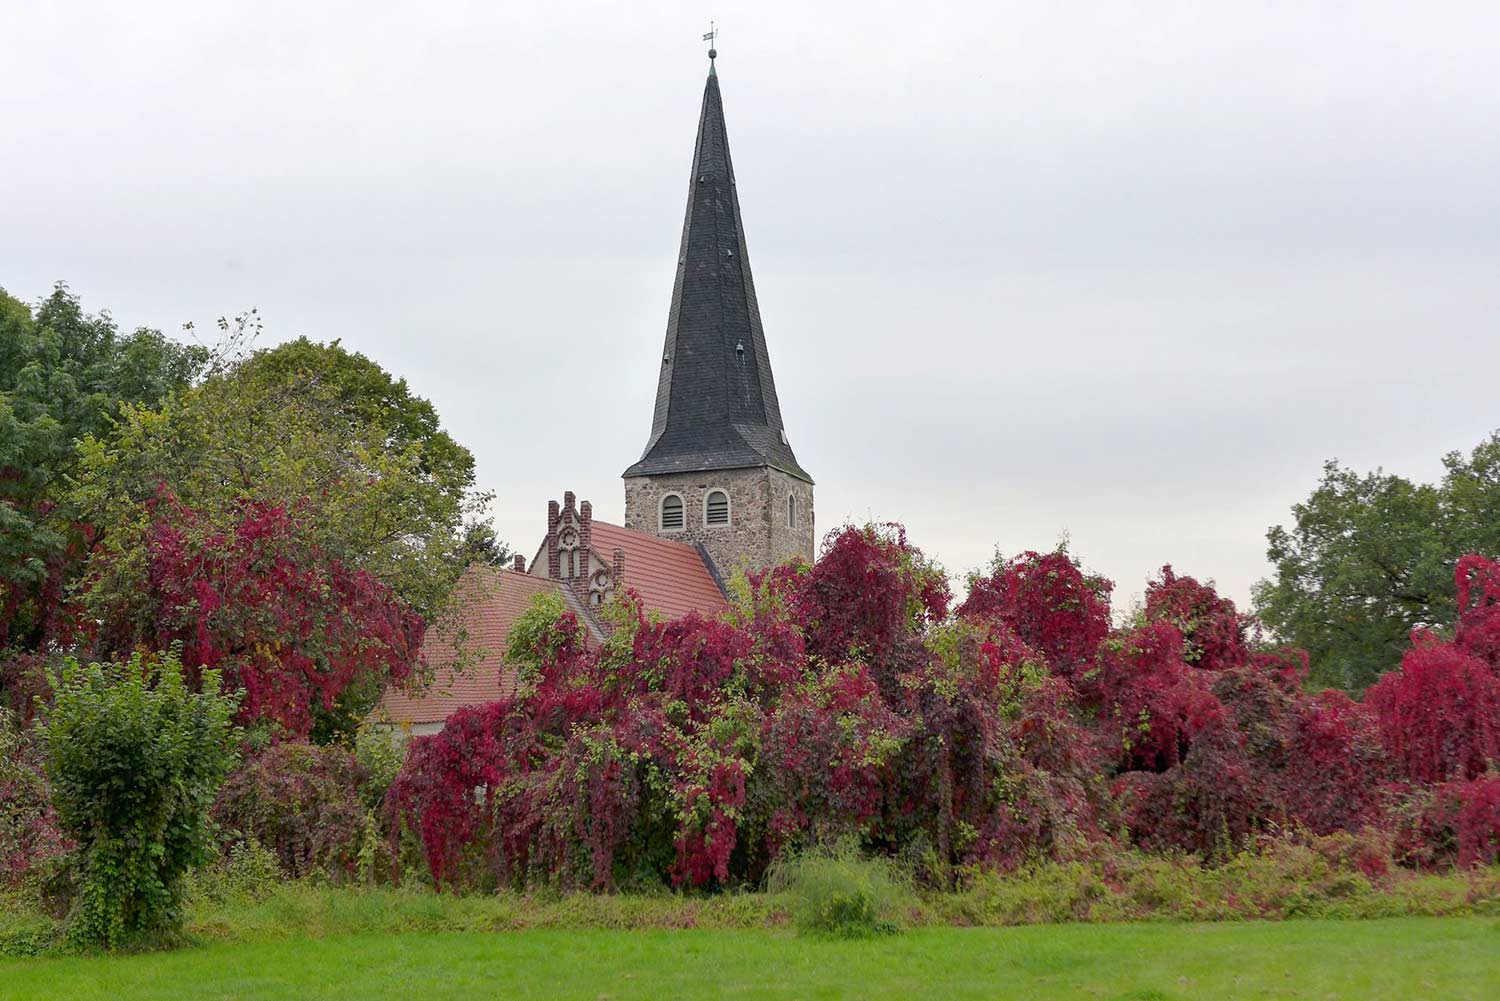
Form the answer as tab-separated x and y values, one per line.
596	560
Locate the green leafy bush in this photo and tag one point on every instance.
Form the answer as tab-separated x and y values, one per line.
25	931
247	871
135	759
840	893
380	751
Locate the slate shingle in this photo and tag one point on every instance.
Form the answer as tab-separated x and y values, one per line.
716	404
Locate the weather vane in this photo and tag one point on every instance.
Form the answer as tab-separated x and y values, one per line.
709	38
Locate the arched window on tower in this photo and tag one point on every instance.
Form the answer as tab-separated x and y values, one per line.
791	510
671	512
716	508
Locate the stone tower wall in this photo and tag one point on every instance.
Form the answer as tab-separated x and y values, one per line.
757	535
788	541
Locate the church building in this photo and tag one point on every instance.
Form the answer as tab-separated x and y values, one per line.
716	490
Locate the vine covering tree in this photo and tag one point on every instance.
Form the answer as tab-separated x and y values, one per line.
294	517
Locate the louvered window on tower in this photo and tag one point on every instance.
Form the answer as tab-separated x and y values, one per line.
671	512
716	512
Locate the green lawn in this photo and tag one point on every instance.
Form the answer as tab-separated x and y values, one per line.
1406	958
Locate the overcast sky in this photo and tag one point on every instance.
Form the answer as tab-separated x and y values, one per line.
1124	271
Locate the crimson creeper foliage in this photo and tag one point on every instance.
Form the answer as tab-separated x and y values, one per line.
286	626
842	702
1049	602
1440	713
1478	632
1213	631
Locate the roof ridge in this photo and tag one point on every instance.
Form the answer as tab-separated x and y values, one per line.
649	537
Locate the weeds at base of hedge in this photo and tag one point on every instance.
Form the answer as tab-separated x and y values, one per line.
824	895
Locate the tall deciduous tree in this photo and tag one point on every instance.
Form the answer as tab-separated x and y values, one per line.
1370	557
63	375
304	425
365	486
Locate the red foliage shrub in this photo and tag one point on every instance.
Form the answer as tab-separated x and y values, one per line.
23	681
284	624
1049	602
1151	702
1478	631
1455	823
996	770
689	661
598	769
1262	711
1213	631
29	829
774	618
445	789
868	598
582	806
1038	819
838	702
1440	713
1287	665
1050	734
300	801
825	755
1335	764
1211	803
1479	822
714	797
1054	788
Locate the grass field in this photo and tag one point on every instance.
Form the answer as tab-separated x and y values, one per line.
1406	958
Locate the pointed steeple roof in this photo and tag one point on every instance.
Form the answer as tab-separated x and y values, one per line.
716	404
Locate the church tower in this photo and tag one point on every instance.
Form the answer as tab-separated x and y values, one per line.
718	469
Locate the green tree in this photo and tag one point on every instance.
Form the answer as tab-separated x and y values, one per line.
63	376
1370	557
304	425
482	545
377	485
135	759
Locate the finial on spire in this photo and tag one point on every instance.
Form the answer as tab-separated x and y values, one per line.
713	33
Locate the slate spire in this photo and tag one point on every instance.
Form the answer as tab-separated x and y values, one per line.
716	402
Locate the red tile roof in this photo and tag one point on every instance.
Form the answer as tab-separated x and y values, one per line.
670	576
490	599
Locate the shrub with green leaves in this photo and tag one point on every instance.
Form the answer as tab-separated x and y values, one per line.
247	871
135	758
380	752
839	892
